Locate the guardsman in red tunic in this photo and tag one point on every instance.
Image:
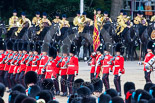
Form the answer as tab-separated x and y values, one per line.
106	68
118	67
57	69
23	63
63	70
31	56
92	63
17	63
2	56
51	65
98	60
35	65
12	65
148	56
7	62
73	68
43	61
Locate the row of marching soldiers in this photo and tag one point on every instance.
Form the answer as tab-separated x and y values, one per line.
22	57
103	64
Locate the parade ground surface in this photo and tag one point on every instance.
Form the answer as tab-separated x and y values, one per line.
133	73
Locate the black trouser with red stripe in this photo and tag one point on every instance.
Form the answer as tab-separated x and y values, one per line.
7	79
92	76
117	83
64	83
1	76
56	83
70	81
147	76
105	80
12	79
17	78
21	78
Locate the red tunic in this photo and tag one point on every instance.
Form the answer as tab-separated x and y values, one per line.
2	56
119	65
12	66
50	70
105	65
16	69
148	56
62	68
93	64
34	66
6	68
28	68
43	61
73	66
57	69
23	65
98	69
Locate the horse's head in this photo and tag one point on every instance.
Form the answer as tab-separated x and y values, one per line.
57	29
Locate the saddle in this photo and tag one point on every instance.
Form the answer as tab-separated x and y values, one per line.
153	35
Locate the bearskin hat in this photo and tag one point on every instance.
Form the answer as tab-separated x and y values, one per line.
89	99
100	48
77	84
152	100
31	46
98	85
1	100
9	45
73	49
30	77
83	91
152	91
52	52
20	97
20	88
128	86
143	101
150	45
37	47
29	100
112	92
20	45
2	45
119	48
12	96
47	84
107	47
25	45
144	95
33	90
15	46
147	86
2	89
135	95
65	49
45	47
70	98
55	45
44	94
104	98
128	96
117	100
91	48
89	85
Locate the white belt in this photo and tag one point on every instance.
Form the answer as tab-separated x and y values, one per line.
93	65
105	66
34	65
41	65
48	70
117	65
63	68
71	65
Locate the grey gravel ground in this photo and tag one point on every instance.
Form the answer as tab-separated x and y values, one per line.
133	72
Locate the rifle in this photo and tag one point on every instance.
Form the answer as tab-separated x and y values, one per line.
44	70
15	58
5	58
89	61
38	59
57	65
19	59
110	62
10	58
67	62
30	60
99	62
26	59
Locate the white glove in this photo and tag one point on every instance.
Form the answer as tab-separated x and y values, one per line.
139	63
110	72
119	74
148	70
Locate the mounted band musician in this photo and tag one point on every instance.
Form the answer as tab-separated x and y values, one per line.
13	24
44	26
24	24
36	21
